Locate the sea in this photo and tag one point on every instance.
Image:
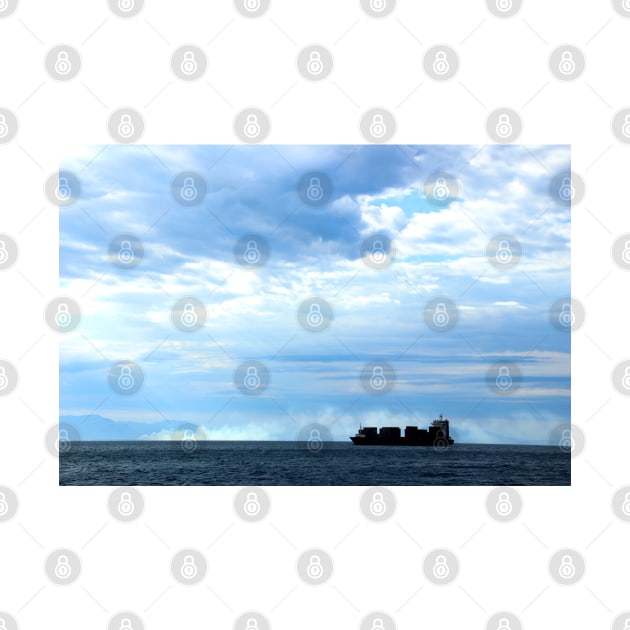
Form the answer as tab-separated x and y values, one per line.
215	463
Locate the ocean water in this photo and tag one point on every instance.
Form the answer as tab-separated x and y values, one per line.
293	464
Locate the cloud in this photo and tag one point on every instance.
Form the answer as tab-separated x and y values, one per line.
439	250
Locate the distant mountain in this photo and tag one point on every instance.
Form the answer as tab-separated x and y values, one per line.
94	427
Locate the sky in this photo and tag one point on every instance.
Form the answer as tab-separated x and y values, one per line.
437	250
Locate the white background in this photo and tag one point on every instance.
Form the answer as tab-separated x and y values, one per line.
251	62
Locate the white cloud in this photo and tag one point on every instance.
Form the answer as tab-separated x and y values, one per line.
510	304
438	251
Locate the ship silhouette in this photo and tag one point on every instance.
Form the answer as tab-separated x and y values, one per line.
436	435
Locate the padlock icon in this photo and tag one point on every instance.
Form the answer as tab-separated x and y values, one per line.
566	317
567	442
126	506
440	189
378	380
377	624
504	253
189	63
126	128
504	504
315	318
314	570
252	504
4	381
625	129
63	570
252	5
567	63
4	128
4	254
441	317
625	506
252	624
625	381
63	443
63	192
125	624
314	64
626	623
62	65
189	190
314	442
126	5
378	5
504	624
125	379
625	255
189	316
188	441
378	254
125	253
377	127
252	127
504	5
567	568
4	506
252	253
3	624
315	192
62	316
440	63
504	380
378	507
189	568
252	380
440	568
504	126
566	191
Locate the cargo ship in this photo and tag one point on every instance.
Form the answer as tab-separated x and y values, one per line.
436	435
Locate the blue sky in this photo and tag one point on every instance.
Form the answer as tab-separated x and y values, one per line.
439	250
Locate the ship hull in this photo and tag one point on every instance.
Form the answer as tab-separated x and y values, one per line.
437	435
440	442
